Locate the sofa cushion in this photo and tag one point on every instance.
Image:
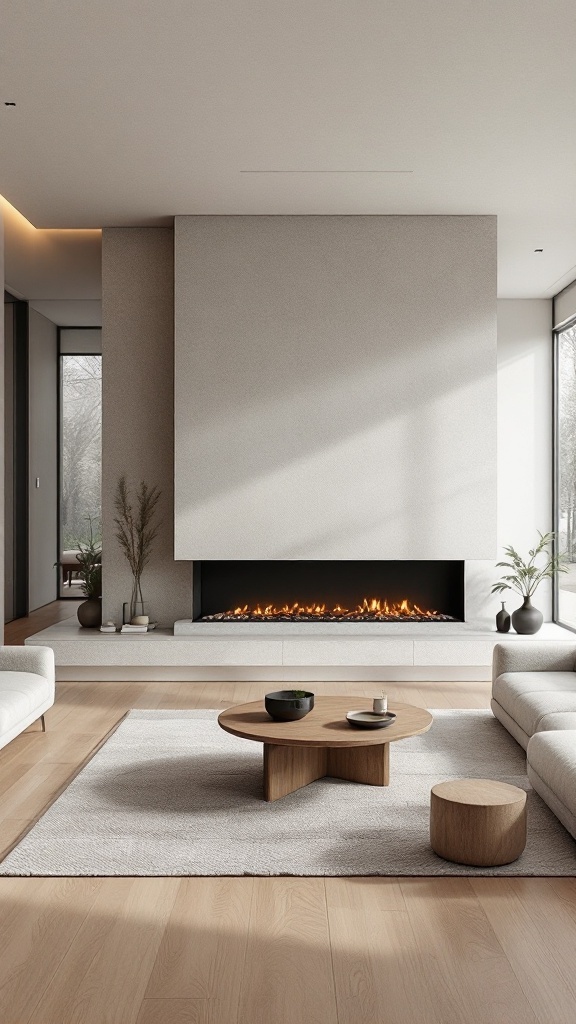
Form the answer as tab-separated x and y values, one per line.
511	685
528	697
557	720
20	694
552	755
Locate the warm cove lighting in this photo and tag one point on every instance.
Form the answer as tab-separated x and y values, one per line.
43	264
17	221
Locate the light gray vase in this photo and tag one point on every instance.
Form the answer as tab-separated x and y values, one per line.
527	619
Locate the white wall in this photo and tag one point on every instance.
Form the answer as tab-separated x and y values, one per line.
43	459
81	340
524	447
335	391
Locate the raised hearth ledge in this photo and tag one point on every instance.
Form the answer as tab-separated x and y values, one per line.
287	651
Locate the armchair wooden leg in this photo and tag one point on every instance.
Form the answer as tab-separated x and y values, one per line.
43	721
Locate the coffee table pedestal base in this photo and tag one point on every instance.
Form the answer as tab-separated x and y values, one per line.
288	768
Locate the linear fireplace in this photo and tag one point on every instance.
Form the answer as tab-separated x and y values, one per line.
328	591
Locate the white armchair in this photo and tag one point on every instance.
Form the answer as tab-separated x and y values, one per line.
26	688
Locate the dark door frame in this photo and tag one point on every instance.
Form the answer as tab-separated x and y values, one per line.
20	454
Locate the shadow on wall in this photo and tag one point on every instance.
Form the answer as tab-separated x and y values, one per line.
433	485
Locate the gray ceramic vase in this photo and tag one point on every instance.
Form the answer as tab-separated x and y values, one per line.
527	619
503	619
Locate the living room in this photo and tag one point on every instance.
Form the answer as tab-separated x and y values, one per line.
287	690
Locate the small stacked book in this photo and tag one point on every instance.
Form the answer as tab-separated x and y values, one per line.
128	628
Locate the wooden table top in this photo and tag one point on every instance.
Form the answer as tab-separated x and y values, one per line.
325	725
479	792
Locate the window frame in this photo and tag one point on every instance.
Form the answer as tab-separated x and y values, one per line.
557	331
59	594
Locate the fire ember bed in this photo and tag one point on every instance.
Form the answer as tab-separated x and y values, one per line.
371	610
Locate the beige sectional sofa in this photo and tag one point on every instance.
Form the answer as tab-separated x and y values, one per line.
534	696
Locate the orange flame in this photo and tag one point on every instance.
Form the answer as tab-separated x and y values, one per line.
371	609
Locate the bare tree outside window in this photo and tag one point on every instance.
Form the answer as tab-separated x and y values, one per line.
566	469
81	449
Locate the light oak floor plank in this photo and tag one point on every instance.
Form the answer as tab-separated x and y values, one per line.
288	971
536	927
466	973
202	953
39	921
30	794
103	977
11	829
377	966
181	1011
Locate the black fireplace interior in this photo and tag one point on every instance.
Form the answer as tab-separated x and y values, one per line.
339	591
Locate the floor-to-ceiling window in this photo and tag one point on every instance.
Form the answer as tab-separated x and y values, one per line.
80	460
565	459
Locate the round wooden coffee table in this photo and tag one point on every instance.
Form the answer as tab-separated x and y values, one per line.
322	743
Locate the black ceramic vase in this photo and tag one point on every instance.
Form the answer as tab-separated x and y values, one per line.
503	620
90	613
527	619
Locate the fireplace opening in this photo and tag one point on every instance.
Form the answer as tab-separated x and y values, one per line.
340	591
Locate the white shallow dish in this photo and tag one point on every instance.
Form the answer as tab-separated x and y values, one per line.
370	719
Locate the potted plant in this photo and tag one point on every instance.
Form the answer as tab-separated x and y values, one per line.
89	560
136	531
525	576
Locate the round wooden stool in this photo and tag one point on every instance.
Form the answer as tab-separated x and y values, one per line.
478	822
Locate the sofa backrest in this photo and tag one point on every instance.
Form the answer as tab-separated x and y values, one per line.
533	656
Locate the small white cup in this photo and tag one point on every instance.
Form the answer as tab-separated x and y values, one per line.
380	705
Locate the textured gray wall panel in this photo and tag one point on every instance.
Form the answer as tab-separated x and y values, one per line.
335	387
138	431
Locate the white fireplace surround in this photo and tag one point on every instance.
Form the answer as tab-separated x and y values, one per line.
403	651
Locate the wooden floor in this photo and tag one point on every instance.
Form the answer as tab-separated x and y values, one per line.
15	632
265	950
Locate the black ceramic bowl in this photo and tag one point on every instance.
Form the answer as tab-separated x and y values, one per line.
289	705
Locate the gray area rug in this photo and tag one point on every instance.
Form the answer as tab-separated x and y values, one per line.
170	793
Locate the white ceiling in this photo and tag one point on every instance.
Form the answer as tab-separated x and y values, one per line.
70	312
130	113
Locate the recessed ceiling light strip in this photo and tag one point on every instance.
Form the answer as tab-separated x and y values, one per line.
326	172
